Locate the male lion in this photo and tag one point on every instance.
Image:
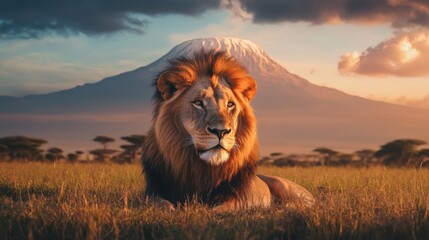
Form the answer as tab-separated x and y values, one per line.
202	145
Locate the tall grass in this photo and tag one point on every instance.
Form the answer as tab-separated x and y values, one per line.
63	201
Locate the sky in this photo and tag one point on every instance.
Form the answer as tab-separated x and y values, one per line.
376	49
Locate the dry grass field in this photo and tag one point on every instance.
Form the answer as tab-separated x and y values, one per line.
95	201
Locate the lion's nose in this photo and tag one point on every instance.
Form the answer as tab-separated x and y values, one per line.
219	132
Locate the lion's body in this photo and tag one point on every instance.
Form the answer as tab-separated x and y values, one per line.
203	144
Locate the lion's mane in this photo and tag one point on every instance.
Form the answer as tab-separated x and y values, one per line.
172	167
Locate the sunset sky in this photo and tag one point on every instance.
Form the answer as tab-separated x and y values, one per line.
372	48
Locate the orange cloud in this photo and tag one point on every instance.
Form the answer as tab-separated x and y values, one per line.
404	55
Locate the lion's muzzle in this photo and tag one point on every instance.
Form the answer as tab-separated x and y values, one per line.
219	132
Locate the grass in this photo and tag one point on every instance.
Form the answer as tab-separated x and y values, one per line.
63	201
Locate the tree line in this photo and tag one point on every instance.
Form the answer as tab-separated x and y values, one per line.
400	152
22	148
396	153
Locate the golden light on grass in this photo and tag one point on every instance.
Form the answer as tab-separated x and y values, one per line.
97	201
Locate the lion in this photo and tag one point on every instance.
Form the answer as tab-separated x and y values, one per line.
202	145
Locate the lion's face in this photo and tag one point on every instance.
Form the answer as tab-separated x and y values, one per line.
203	111
210	117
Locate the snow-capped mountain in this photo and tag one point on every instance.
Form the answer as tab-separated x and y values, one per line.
245	51
254	58
292	112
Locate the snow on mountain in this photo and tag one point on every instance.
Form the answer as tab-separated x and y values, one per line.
246	52
292	112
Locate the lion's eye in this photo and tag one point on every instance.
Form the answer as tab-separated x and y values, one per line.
231	105
198	103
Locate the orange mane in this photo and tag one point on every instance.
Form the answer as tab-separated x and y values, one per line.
180	163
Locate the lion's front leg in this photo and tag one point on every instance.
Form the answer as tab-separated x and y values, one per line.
256	195
286	191
259	194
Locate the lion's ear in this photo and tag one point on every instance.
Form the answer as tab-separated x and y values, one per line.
165	86
169	82
247	87
250	91
241	82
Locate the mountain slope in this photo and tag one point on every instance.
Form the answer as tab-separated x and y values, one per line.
133	88
292	112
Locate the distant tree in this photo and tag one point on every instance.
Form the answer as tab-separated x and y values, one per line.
127	155
366	156
276	154
54	154
137	140
103	140
344	159
327	155
424	152
74	157
423	155
132	152
100	155
326	151
399	152
22	148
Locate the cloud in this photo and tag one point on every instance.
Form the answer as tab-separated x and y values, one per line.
422	102
47	74
35	19
235	7
400	13
404	55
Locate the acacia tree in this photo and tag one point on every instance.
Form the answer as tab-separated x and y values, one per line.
103	140
365	155
54	154
132	151
100	155
71	158
20	147
328	155
423	155
399	152
74	157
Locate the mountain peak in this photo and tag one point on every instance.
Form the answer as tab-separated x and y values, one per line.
246	52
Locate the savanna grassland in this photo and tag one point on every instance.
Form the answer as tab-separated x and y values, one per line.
104	201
